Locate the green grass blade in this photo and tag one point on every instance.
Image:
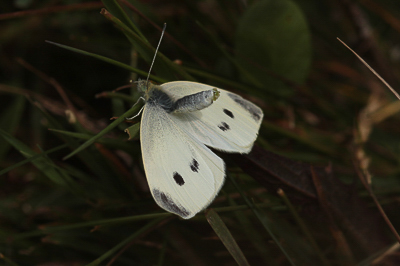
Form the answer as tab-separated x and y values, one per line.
45	165
104	222
114	124
7	260
163	66
263	219
30	159
125	241
254	236
226	237
248	76
114	8
10	119
109	60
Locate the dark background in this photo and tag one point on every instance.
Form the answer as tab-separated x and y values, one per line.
330	136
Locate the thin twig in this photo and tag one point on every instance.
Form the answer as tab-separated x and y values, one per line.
363	174
364	179
372	70
52	82
366	38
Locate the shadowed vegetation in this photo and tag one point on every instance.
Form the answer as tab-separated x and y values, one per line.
320	187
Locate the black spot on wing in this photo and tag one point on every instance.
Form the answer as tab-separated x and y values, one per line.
166	202
253	109
228	113
194	166
178	179
224	126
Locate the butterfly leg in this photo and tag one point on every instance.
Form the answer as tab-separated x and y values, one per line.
133	117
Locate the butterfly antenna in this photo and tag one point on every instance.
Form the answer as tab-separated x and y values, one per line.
154	58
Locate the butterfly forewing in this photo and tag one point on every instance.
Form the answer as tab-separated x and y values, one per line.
184	176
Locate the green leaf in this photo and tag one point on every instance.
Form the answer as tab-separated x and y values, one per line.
133	130
273	43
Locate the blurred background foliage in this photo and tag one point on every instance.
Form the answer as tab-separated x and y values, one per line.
327	153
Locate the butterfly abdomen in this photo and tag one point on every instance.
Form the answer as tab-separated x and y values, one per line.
186	104
195	102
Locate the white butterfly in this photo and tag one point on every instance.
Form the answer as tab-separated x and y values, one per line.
180	119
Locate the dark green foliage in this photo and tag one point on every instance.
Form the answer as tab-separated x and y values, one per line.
297	199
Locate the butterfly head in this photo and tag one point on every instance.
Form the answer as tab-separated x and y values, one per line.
145	87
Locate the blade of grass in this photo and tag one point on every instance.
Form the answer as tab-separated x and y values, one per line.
263	219
109	142
110	61
97	163
226	237
30	159
163	252
243	71
303	227
7	260
216	78
44	164
164	67
115	9
137	234
114	124
253	235
10	120
105	222
167	35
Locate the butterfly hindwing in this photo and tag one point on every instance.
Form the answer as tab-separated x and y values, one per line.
184	176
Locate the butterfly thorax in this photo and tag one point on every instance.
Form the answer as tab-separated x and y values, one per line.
155	96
